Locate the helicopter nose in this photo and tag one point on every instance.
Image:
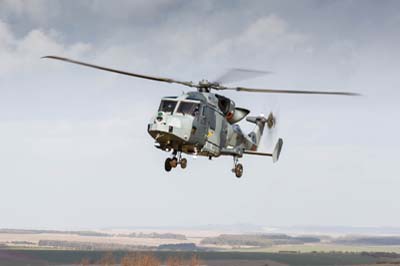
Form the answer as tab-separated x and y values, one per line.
175	126
175	122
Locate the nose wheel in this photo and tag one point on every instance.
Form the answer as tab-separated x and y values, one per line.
183	163
174	162
237	167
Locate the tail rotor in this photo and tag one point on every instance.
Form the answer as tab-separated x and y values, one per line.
272	128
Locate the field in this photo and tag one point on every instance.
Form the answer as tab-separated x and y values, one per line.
65	257
323	248
214	248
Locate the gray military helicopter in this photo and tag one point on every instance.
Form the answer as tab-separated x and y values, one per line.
205	123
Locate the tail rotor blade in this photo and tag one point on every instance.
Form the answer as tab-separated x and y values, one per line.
272	128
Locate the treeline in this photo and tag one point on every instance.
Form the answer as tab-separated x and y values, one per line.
95	233
157	235
89	246
391	255
369	241
258	240
267	240
77	245
179	247
21	243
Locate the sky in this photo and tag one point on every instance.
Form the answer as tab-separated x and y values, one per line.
75	153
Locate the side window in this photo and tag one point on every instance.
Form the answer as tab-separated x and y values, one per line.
211	117
196	110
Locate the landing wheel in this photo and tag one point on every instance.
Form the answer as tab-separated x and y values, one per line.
167	165
174	162
183	163
239	170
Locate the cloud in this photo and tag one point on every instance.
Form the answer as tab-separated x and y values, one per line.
21	55
6	37
127	9
266	38
37	11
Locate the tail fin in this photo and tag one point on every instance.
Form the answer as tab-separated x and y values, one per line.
277	150
256	134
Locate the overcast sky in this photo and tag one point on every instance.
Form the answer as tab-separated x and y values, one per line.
75	153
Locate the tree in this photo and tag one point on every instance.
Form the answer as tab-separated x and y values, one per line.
194	260
140	259
107	260
85	262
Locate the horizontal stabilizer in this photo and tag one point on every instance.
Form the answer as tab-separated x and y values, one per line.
257	153
275	155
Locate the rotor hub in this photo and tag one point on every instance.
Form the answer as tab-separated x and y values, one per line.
206	86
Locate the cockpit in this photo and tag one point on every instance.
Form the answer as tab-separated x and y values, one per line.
167	106
179	122
188	108
184	107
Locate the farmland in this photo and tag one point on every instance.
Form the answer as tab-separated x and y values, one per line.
213	248
70	257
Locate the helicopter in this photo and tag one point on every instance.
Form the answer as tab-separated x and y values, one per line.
204	123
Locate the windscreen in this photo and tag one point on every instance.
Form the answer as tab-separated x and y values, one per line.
189	108
167	106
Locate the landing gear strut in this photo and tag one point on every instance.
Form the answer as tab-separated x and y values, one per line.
237	167
174	161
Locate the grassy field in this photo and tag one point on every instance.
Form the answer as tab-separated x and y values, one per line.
65	257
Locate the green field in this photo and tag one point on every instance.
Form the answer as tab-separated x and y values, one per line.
70	257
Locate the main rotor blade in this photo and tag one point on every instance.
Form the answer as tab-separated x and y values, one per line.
168	80
343	93
238	74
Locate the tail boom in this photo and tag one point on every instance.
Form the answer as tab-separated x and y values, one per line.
256	134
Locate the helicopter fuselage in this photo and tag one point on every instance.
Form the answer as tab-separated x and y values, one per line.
200	123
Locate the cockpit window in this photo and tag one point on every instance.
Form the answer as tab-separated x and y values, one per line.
189	108
167	106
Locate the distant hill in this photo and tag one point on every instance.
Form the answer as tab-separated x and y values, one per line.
369	241
29	231
258	240
179	247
